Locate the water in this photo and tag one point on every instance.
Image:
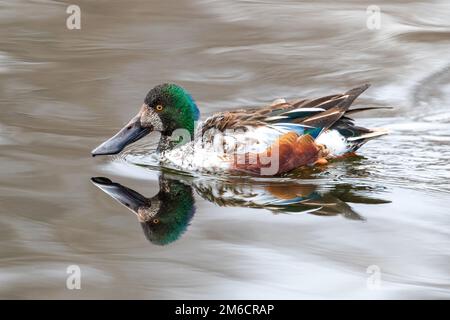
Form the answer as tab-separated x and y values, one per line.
62	92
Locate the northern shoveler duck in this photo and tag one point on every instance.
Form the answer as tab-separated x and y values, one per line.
266	141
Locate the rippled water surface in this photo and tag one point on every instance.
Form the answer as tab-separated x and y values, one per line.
64	91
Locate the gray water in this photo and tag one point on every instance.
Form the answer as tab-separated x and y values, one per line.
62	92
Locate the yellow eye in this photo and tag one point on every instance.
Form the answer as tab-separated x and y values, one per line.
159	107
155	221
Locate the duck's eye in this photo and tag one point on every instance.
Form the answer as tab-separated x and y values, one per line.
159	107
155	221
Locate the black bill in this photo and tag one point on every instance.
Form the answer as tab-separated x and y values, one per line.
132	132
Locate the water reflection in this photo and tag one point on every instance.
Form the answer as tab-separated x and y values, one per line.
166	216
163	217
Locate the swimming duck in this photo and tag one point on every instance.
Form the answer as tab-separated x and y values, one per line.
265	141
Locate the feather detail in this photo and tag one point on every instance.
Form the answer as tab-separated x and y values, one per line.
370	135
326	119
290	151
302	110
353	111
276	118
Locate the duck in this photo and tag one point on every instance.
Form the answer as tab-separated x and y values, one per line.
268	140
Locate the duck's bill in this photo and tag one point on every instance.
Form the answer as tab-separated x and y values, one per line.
132	132
125	196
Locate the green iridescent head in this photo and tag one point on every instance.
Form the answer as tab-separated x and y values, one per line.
174	106
166	108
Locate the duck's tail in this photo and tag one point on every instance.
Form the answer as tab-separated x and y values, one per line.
358	141
373	133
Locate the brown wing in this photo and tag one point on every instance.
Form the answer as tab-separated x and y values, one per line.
321	112
241	118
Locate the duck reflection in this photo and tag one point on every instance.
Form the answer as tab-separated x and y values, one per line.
166	216
163	217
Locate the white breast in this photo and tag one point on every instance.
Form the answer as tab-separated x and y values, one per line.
193	157
215	150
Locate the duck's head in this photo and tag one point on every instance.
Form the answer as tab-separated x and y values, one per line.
163	217
166	108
